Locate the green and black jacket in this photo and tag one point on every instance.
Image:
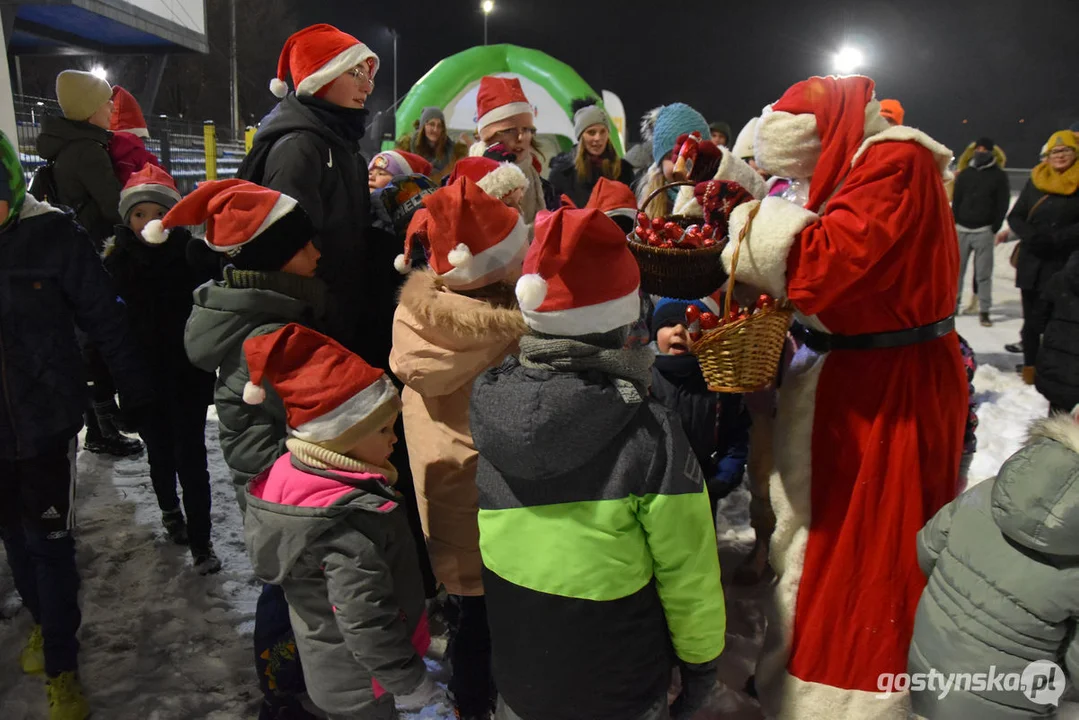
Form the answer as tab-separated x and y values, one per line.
599	551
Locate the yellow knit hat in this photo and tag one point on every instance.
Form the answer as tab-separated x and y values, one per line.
81	94
1062	137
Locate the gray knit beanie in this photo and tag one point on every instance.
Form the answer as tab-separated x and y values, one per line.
432	113
586	117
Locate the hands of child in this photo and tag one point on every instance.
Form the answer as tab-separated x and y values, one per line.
428	693
698	681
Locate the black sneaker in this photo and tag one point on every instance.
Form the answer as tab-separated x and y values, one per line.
1014	347
175	527
984	319
115	445
206	561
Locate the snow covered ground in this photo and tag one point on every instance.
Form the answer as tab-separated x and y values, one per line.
161	643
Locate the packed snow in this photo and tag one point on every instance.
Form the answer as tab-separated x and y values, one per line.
159	642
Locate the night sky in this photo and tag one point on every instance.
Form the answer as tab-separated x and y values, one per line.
962	68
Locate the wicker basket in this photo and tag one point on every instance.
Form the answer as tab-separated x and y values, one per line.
678	272
742	356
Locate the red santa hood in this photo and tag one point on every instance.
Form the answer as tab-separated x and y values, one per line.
816	129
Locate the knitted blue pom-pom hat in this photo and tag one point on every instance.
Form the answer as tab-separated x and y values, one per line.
674	120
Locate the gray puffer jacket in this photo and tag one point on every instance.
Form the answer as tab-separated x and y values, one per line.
1003	567
339	545
246	304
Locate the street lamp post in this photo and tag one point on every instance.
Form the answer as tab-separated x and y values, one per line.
488	6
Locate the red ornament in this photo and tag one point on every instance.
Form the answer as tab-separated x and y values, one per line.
708	230
764	301
709	321
643	220
708	242
657	224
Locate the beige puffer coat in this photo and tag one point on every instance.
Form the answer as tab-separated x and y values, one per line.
442	341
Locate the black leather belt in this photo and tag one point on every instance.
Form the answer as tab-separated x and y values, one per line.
823	342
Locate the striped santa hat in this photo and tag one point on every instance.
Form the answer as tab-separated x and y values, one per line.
471	239
327	390
496	179
316	56
579	276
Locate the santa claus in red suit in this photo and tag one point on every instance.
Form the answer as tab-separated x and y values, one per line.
870	423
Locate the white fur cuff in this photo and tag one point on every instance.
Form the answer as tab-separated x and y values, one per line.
735	169
762	262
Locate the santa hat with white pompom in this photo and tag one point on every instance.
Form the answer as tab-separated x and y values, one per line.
579	276
316	56
471	239
327	390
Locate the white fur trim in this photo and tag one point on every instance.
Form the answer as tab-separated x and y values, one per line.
491	264
531	292
743	145
626	212
600	318
155	233
789	493
711	304
505	179
902	133
762	262
460	256
279	87
477	149
502	113
400	264
787	145
341	63
334	423
254	394
795	699
686	203
140	132
281	208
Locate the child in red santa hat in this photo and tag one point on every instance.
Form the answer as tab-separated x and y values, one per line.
127	146
385	166
503	181
456	319
596	533
327	526
506	118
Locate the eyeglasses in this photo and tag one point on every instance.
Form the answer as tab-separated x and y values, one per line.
512	134
362	78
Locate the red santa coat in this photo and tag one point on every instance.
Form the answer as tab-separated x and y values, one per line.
867	442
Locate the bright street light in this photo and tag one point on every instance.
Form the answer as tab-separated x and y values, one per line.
848	59
99	72
488	6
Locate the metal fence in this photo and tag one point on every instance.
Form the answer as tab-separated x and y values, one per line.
180	145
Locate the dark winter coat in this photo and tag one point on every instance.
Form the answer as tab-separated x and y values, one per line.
981	197
717	425
85	178
50	282
309	150
1057	376
1003	587
339	545
565	180
1048	233
598	544
156	283
442	164
226	313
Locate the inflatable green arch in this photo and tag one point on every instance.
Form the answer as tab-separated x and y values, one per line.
450	81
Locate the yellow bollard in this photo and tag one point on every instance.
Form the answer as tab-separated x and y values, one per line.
249	139
209	137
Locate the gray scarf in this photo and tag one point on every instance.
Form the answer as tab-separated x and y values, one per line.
532	203
630	370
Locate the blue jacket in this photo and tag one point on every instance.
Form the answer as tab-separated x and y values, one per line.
50	281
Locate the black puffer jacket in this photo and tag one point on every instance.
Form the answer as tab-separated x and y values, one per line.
50	281
1048	231
981	197
309	150
156	283
83	173
1057	377
565	181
